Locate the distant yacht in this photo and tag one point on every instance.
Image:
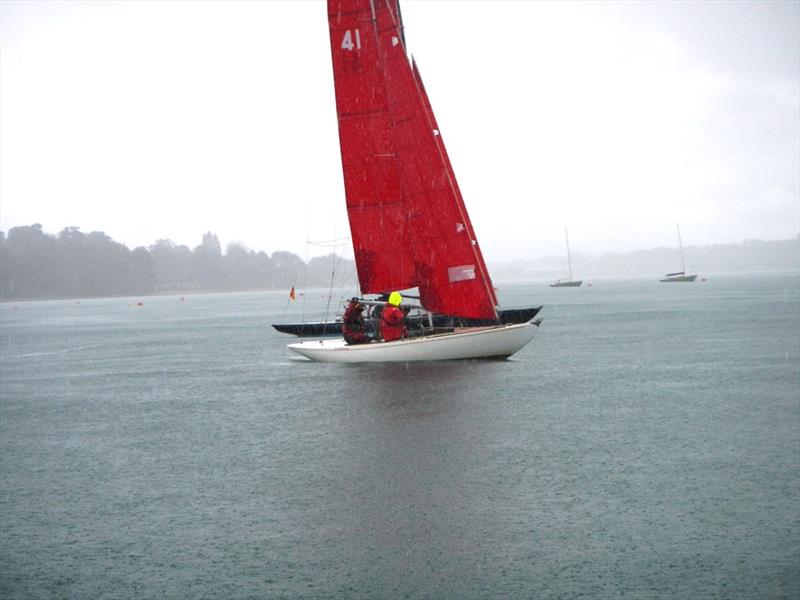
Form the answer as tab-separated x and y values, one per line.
569	281
680	276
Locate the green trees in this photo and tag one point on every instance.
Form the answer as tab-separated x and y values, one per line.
245	269
173	266
35	264
207	263
29	263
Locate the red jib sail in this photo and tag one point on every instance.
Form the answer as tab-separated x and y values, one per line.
415	202
482	271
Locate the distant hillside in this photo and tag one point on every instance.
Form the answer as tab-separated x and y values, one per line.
751	255
36	264
72	264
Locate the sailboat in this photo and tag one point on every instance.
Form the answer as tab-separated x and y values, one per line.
679	276
569	282
414	321
408	221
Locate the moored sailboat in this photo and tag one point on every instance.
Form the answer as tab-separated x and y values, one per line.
569	281
679	276
408	221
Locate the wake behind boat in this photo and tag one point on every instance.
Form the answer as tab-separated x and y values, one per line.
408	221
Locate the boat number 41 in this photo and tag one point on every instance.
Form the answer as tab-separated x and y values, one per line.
348	40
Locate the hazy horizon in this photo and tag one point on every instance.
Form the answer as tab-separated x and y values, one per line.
35	264
616	120
556	255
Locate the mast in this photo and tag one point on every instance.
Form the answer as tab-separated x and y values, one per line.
400	27
569	256
680	245
375	207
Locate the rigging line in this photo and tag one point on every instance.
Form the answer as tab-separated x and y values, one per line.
680	245
305	286
400	27
397	22
329	243
349	277
347	283
330	284
350	280
375	23
333	266
569	256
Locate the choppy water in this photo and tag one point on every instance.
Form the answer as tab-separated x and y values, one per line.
645	445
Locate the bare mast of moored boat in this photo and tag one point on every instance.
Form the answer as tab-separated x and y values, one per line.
569	282
681	276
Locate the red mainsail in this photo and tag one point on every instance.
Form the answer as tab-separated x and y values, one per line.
398	179
378	221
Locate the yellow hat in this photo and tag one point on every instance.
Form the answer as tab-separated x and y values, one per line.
395	299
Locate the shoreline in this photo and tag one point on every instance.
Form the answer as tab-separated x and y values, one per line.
498	281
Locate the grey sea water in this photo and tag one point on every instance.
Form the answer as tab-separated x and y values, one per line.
645	445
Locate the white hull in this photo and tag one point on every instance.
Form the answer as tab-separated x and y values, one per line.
484	342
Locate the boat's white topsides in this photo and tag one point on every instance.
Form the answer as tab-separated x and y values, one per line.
475	342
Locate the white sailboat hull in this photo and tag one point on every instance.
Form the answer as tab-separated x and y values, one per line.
485	342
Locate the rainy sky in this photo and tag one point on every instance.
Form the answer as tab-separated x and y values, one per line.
152	120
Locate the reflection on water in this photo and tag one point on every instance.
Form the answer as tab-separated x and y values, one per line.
414	503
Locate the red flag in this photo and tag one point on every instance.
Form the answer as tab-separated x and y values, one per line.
291	293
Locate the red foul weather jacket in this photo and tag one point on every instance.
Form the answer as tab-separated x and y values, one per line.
353	326
392	323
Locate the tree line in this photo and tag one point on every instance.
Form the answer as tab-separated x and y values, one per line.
36	264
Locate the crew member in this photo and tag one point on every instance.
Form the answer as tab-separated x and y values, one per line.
353	323
393	325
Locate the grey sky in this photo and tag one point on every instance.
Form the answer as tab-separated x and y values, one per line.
155	119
